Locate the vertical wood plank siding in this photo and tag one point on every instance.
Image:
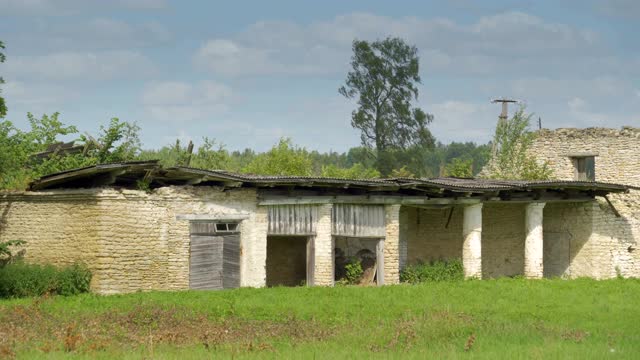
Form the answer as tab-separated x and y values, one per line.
214	259
231	262
205	266
358	220
292	219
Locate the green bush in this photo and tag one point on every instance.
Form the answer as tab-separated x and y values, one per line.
353	271
74	279
19	279
439	270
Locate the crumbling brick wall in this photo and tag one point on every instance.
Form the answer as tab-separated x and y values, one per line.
605	245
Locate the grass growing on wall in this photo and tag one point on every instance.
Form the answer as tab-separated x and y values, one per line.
507	318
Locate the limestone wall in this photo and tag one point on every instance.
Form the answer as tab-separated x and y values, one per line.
130	239
614	239
503	236
428	236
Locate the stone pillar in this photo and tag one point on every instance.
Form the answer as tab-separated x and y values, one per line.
533	244
404	234
472	245
324	261
253	253
392	245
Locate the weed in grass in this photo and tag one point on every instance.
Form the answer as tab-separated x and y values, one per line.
71	338
576	336
470	341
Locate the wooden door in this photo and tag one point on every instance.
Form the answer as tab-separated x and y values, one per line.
206	262
231	261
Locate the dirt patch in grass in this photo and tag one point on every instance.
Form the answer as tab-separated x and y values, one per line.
147	326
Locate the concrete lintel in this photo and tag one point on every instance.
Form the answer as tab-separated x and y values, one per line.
216	217
371	199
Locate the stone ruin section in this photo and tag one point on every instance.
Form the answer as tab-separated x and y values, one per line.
607	245
131	240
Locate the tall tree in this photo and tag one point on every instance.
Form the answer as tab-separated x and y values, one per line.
384	79
3	105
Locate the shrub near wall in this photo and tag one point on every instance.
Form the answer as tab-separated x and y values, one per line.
18	279
439	270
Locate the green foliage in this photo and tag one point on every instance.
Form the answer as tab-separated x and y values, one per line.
353	271
511	159
6	253
283	159
73	280
3	104
209	155
384	79
357	171
439	270
403	172
19	279
117	142
461	168
17	167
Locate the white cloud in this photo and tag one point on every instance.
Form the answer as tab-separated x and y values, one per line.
79	65
26	95
506	42
456	120
181	101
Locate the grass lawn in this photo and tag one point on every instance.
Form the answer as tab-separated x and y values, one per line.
508	318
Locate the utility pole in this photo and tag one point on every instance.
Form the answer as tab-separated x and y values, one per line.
504	115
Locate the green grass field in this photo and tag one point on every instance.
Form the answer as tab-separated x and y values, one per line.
510	318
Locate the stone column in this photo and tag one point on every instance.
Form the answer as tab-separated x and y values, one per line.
253	253
324	261
392	245
472	245
533	244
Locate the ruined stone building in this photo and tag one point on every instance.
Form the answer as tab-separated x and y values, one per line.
605	241
186	228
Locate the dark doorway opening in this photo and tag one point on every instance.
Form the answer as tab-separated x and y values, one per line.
287	260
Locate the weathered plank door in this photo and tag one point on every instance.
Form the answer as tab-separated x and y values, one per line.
206	263
214	258
231	261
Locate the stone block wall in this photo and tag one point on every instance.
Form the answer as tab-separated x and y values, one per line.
611	244
131	240
503	236
392	245
428	236
323	252
58	230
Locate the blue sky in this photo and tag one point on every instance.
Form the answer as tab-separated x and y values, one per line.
249	72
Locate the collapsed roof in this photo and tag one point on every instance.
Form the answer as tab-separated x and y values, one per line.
153	175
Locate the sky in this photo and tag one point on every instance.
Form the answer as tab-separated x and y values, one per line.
247	73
